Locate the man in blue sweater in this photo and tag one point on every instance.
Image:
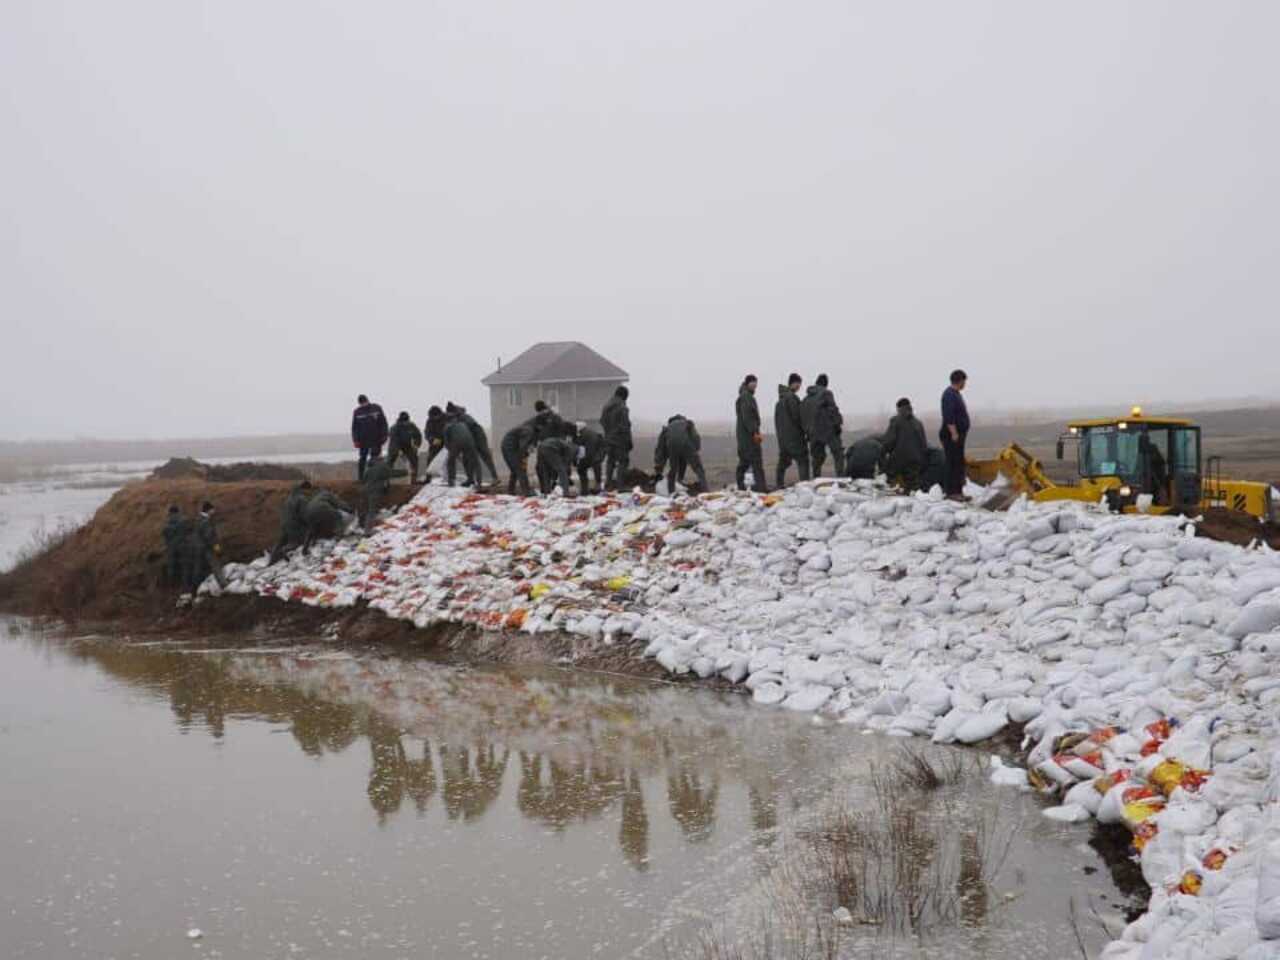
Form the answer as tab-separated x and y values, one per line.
955	427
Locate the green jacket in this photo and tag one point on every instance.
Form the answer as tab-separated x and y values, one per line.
679	438
615	420
593	447
822	418
903	446
292	520
405	435
477	432
458	436
377	476
176	528
203	535
747	413
788	421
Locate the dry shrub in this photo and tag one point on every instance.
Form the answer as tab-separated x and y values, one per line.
911	856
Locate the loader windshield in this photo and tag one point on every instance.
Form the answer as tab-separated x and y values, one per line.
1110	452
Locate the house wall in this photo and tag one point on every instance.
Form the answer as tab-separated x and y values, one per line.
573	401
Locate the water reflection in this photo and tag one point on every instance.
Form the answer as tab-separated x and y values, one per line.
361	806
582	749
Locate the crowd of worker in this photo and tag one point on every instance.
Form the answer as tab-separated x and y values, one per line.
808	429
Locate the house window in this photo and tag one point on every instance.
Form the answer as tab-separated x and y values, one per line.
552	396
514	398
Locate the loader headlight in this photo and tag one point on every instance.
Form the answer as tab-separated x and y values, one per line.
1126	491
1122	425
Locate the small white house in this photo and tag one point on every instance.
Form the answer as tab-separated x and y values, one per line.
573	379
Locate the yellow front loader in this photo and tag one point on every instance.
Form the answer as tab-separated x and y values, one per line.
1134	463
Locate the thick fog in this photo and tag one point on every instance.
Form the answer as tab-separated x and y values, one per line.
232	217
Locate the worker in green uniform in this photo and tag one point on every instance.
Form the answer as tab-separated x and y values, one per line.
750	440
788	423
823	423
325	516
293	525
479	435
404	439
203	550
516	446
176	528
555	456
433	434
591	454
377	481
679	444
460	444
862	459
615	421
904	448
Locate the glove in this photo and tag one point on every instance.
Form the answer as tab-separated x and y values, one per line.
757	438
217	549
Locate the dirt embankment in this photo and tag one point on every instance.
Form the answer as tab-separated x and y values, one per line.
1233	526
110	574
112	568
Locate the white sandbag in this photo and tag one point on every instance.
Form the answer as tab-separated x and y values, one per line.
1253	583
769	693
944	730
1068	813
1003	776
1084	795
808	698
1023	709
1268	910
931	697
888	703
1104	591
981	727
1236	904
1111	810
1257	617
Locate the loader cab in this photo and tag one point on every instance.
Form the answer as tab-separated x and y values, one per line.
1135	455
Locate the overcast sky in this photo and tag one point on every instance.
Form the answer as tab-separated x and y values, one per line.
231	217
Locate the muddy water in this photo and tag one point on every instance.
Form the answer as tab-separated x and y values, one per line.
307	802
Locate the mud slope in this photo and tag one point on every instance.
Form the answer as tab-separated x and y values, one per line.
112	567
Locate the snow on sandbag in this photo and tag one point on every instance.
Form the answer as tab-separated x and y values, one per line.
1260	616
984	726
1267	915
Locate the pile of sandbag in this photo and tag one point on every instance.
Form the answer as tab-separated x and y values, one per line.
913	616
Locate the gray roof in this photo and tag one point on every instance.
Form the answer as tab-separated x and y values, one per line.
563	362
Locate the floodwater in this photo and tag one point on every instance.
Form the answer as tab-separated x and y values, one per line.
306	801
58	497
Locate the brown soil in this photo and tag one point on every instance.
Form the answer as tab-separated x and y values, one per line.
112	567
1234	526
185	468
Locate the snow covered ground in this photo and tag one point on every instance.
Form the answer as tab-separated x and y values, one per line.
1144	662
